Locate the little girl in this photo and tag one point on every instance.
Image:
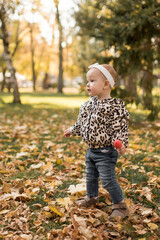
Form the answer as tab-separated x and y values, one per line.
101	121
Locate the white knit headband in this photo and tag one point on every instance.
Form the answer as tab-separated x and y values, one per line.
105	72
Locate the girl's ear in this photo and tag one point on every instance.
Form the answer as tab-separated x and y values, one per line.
106	84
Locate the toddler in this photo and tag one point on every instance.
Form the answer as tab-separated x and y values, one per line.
101	121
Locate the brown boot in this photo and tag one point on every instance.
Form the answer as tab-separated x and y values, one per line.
87	201
119	210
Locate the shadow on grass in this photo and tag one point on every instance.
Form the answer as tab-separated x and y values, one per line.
10	107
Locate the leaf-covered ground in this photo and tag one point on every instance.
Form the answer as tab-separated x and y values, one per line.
42	173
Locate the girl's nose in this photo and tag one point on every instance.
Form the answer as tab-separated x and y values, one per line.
87	84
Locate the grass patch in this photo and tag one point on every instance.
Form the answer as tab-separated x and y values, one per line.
39	198
32	174
45	99
54	225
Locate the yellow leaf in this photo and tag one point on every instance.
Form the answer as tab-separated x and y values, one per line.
55	210
145	159
48	214
119	226
59	161
21	168
128	202
35	152
48	167
3	171
152	226
53	184
47	200
69	159
22	150
141	238
135	147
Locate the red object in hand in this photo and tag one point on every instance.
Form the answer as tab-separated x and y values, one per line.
117	144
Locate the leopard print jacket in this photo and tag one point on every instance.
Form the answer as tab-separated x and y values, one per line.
101	122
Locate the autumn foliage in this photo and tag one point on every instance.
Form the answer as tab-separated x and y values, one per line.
42	173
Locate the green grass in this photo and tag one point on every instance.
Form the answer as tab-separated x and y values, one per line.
32	174
48	100
44	100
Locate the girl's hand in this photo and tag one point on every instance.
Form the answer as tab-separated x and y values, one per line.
67	133
121	150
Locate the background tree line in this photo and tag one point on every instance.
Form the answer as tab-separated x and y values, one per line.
127	34
121	32
24	48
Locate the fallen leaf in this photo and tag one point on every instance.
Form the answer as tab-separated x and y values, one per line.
26	237
119	226
47	167
22	154
81	221
69	159
79	188
141	232
4	211
147	212
6	188
48	214
152	226
86	233
66	202
114	234
56	210
75	225
59	161
37	223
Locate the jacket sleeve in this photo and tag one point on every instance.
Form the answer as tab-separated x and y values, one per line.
120	124
76	128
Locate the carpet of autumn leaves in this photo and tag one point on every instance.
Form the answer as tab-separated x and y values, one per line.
42	173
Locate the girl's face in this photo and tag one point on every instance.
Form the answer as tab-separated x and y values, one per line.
95	83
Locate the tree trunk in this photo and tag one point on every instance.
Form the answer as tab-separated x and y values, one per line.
147	85
45	81
7	55
32	59
130	85
60	75
4	79
147	79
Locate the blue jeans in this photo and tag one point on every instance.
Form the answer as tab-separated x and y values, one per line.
100	163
